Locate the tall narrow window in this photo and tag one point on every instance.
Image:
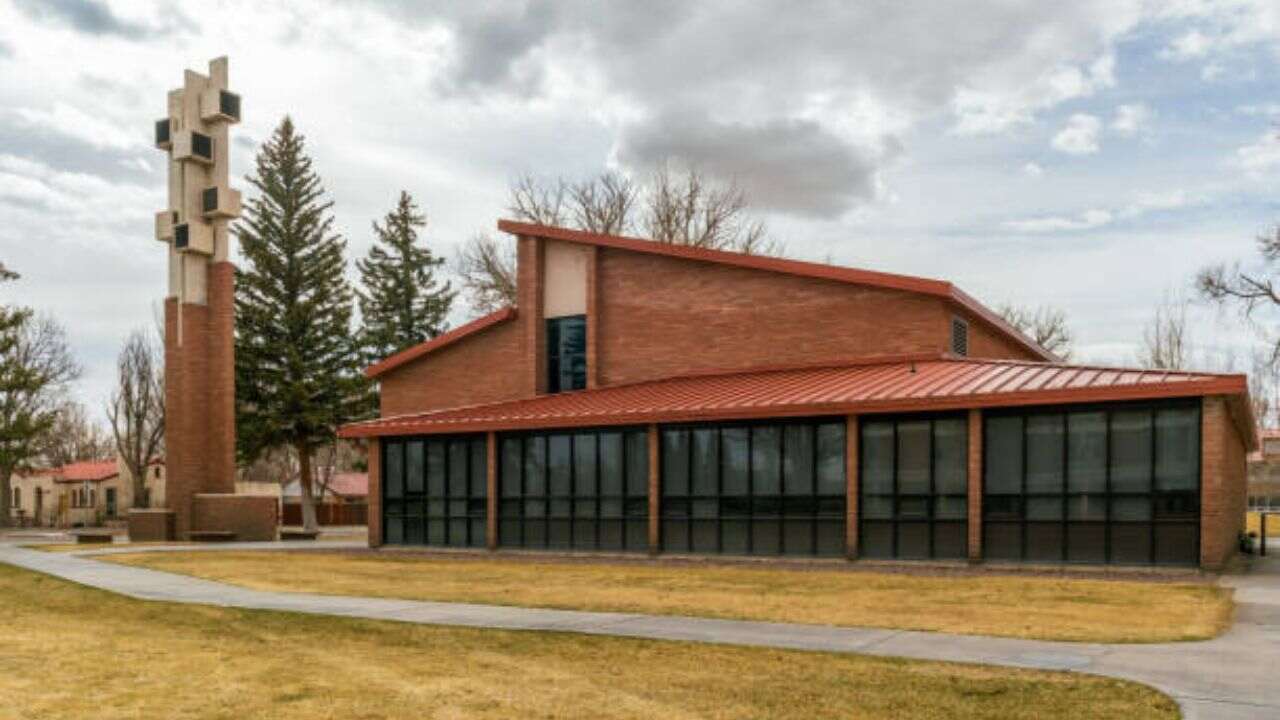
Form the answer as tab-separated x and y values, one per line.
566	353
959	337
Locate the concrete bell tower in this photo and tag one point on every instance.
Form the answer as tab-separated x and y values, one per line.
199	307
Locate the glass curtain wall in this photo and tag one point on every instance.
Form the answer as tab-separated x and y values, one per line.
913	487
434	491
574	490
754	489
1109	484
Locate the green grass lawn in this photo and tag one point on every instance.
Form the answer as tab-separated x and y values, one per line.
1025	606
71	652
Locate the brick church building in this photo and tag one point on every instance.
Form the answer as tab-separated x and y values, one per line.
644	397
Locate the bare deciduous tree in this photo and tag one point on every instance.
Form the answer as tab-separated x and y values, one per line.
1252	289
604	203
36	366
541	203
136	409
488	272
676	208
1047	326
1165	343
687	210
74	437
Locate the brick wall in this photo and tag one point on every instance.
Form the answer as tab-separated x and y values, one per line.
975	485
663	316
485	367
186	402
250	517
1223	478
652	316
375	492
221	408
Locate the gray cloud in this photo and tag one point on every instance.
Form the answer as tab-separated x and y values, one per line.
6	50
792	166
86	16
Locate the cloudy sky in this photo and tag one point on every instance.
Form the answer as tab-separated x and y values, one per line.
1087	155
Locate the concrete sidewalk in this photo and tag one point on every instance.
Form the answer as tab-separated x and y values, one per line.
1228	678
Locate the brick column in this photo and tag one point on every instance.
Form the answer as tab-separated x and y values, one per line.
221	477
593	317
375	492
529	292
851	486
1221	458
655	490
975	486
491	489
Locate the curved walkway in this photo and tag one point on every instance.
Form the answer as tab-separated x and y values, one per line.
1228	678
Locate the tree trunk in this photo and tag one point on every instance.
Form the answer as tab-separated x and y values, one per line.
140	499
6	494
304	484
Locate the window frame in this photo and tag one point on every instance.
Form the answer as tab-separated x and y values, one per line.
513	507
415	506
556	355
668	517
931	521
1107	495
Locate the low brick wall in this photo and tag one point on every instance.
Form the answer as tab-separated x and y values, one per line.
250	517
151	525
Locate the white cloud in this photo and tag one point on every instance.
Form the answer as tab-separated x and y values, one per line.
1032	169
1265	109
1079	136
1130	119
1086	220
1142	204
73	122
1212	72
1193	44
1259	157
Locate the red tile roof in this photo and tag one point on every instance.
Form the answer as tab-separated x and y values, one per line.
346	484
926	286
440	341
890	384
90	470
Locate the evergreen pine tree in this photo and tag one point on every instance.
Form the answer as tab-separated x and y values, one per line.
402	303
296	365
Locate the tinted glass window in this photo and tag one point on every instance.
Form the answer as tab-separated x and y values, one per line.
566	353
581	490
750	489
914	490
1131	492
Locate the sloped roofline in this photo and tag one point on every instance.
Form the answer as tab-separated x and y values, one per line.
440	341
890	385
854	276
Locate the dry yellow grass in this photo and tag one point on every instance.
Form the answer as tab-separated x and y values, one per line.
1253	523
72	652
1010	606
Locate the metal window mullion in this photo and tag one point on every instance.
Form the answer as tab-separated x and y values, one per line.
1022	477
1106	508
812	430
751	492
782	489
893	523
1065	445
719	435
1151	494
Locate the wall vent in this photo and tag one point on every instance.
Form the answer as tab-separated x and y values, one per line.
959	337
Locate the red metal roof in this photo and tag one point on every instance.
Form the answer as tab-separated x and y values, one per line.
440	341
90	470
926	286
896	384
